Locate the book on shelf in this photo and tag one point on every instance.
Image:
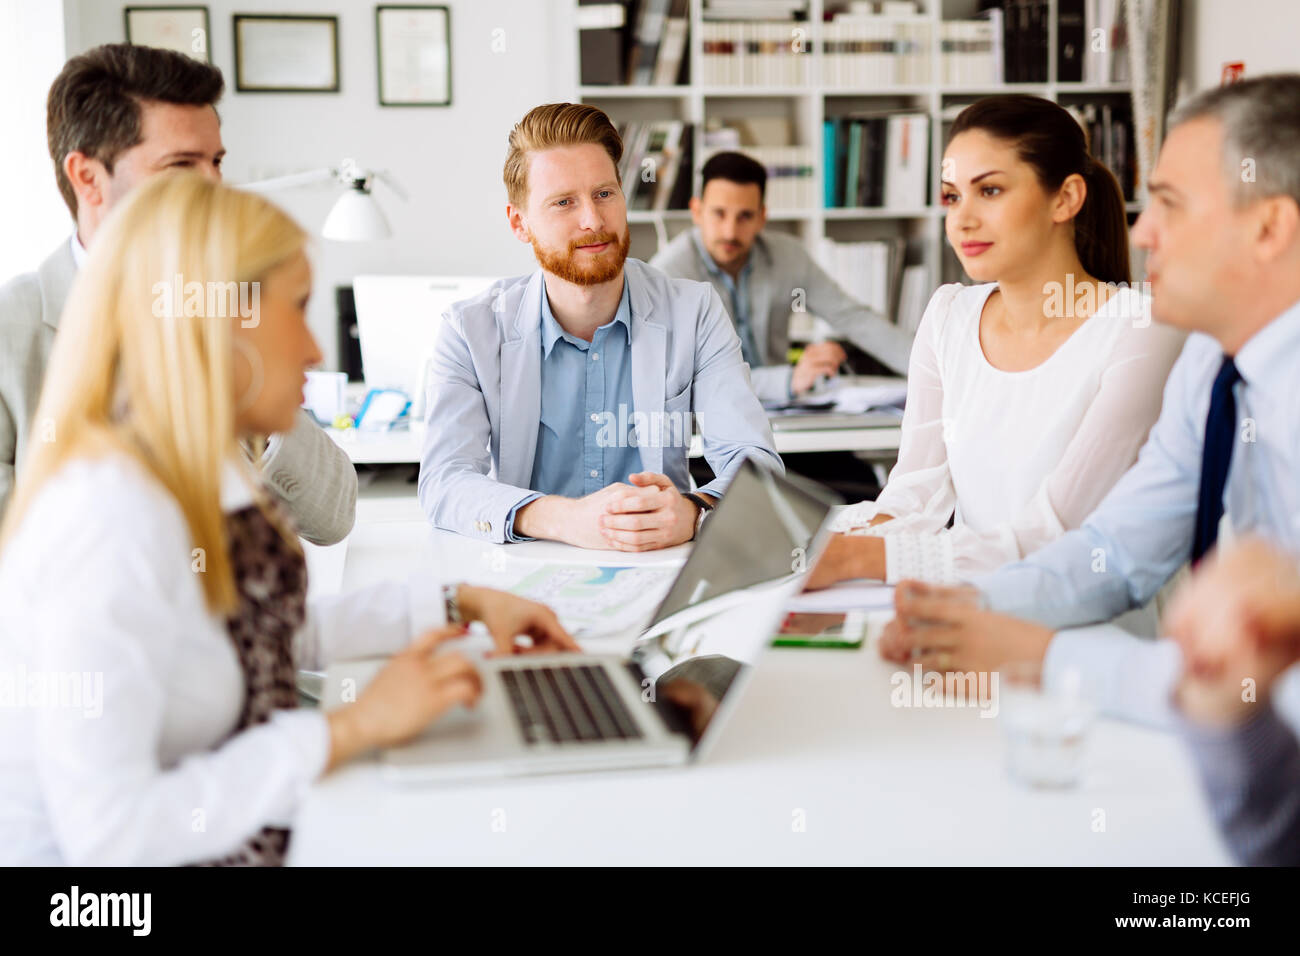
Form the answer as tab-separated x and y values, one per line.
914	290
907	161
869	271
672	50
1109	125
1021	28
1071	40
645	41
970	52
853	160
636	42
1105	58
861	52
877	160
754	53
601	42
656	166
754	9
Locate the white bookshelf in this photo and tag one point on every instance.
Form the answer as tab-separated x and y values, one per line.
808	106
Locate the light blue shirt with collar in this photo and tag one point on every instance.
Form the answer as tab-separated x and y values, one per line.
485	397
586	410
740	301
1141	532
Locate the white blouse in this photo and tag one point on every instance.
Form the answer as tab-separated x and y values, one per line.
120	691
1014	458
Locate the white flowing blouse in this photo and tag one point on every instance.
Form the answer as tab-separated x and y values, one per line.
1014	459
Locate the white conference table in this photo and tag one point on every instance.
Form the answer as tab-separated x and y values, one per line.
815	767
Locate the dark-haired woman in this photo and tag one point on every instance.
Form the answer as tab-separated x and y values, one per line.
1030	393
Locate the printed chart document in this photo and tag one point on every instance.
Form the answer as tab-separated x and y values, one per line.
594	600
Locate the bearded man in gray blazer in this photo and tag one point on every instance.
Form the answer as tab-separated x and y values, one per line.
563	401
115	115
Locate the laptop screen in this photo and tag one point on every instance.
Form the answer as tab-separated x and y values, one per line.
760	531
730	594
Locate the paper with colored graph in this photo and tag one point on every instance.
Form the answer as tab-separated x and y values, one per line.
596	599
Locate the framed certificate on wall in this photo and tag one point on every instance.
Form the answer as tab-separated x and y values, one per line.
286	54
414	55
183	29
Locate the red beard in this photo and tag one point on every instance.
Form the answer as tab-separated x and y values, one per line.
581	268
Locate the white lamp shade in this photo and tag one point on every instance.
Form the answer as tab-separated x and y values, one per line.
356	217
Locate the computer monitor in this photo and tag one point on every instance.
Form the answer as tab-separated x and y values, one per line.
397	322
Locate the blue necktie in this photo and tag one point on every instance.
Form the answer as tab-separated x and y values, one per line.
1216	456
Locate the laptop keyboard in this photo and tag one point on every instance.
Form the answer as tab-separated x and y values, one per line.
567	704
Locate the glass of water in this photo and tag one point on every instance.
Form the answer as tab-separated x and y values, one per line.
1046	726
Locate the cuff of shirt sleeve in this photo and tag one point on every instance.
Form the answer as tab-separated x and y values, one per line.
920	557
909	555
307	734
857	515
714	488
1000	592
510	519
789	382
1124	676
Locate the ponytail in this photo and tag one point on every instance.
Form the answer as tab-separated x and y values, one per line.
1101	226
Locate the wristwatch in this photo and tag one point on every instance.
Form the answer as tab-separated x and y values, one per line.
703	504
450	603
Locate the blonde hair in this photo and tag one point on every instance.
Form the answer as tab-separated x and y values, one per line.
550	126
160	387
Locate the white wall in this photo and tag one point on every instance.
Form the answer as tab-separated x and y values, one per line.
448	159
32	213
1264	34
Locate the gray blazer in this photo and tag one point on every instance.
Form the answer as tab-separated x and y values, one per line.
485	401
782	265
313	476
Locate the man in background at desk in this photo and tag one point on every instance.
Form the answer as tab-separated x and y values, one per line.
117	114
758	276
537	380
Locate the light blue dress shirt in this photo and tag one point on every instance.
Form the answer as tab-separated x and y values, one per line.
585	438
738	289
1141	532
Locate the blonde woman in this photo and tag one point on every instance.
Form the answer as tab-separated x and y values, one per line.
152	600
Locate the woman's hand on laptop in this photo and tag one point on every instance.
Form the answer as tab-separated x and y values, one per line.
508	616
413	689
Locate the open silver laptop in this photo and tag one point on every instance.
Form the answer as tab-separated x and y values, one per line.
666	702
